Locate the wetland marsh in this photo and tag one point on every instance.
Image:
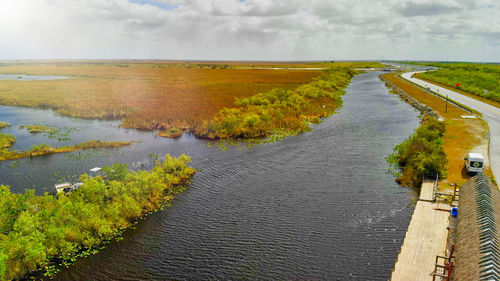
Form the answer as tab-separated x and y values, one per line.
295	208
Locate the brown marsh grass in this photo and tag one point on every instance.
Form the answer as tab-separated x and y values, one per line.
144	96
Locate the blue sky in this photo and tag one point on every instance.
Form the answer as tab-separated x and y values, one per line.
161	5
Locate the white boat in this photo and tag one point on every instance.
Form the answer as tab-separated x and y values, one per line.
63	187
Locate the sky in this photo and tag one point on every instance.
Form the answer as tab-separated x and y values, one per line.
464	30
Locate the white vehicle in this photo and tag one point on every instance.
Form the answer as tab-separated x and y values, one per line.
474	163
63	187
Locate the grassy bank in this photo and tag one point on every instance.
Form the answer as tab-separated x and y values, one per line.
280	111
482	80
461	135
43	149
422	154
41	233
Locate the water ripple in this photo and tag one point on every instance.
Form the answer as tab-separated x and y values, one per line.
316	206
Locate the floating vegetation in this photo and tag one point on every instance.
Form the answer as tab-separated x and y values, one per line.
4	124
61	134
6	141
37	128
86	154
172	133
13	164
44	149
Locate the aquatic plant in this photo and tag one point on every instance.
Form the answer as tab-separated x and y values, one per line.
171	133
422	154
44	149
43	233
37	128
4	124
6	141
61	134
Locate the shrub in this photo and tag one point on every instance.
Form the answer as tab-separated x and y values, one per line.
288	111
421	154
36	231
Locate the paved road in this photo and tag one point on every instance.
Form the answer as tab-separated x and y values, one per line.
490	114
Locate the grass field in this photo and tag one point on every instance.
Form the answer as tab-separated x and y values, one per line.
143	96
482	80
150	95
200	64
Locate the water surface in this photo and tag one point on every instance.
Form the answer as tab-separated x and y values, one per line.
316	206
22	77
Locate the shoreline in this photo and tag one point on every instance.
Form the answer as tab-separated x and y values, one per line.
427	232
166	119
461	135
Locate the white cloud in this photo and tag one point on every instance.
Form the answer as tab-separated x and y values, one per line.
251	29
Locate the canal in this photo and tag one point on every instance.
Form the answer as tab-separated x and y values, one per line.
316	206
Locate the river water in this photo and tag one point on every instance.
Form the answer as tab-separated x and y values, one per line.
316	206
22	77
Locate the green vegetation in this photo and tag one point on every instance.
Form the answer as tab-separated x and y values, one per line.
420	155
172	133
37	128
322	64
154	95
146	95
43	149
473	78
6	141
4	124
280	111
461	134
42	233
61	134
